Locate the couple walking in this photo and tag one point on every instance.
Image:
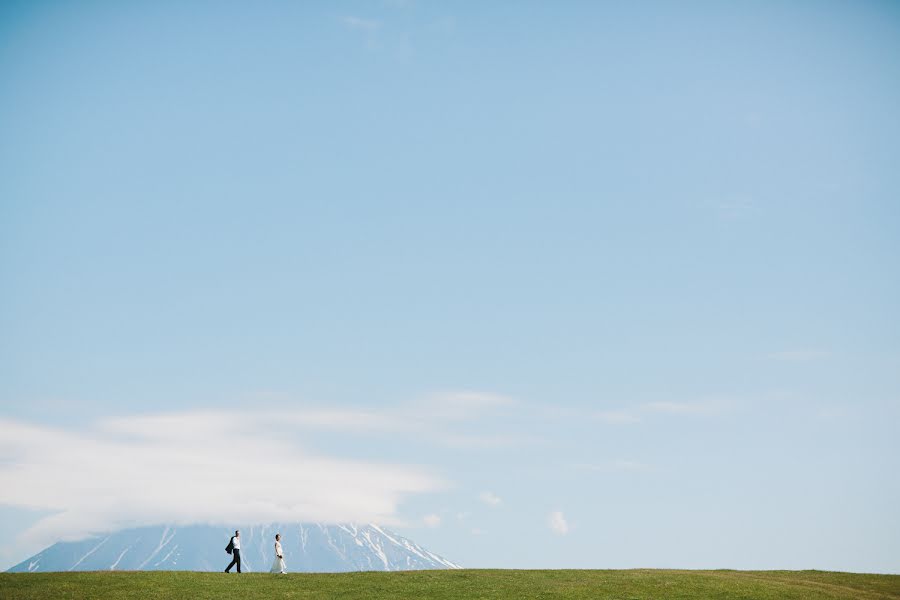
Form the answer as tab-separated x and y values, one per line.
234	548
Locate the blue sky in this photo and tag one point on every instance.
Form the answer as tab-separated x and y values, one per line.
540	285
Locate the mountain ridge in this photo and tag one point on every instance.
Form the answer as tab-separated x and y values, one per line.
308	547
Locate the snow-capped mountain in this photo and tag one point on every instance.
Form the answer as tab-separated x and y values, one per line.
307	547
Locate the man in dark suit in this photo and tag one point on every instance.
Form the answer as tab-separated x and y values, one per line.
235	545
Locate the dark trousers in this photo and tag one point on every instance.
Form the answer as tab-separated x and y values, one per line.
235	561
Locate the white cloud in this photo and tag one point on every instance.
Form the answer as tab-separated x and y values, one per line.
360	24
462	516
477	531
804	355
189	468
490	498
616	417
431	520
557	523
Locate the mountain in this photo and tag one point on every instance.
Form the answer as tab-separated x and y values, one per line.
308	547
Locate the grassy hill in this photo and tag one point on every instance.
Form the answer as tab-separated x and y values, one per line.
464	584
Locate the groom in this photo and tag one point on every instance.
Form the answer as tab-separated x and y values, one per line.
235	545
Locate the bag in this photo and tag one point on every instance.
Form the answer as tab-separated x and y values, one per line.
230	547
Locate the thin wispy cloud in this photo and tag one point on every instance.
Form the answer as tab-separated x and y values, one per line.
360	24
612	466
470	441
735	207
702	407
617	417
444	419
184	424
662	407
834	413
490	498
432	520
463	405
799	355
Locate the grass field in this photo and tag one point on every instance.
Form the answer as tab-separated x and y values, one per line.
465	584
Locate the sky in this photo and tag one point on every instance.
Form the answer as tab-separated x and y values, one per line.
537	285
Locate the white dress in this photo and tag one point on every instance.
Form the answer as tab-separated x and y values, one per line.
278	565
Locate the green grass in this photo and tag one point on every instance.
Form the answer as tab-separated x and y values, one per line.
465	584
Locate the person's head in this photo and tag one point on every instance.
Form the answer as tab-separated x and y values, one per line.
237	533
277	537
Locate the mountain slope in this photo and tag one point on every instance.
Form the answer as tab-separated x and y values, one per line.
308	547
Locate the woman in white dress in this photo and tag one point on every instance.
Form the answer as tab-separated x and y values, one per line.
278	565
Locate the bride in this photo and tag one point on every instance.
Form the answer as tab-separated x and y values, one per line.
278	565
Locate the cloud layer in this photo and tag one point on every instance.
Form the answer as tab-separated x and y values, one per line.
194	467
